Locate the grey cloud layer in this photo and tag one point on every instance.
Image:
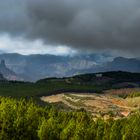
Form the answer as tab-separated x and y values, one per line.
82	24
13	16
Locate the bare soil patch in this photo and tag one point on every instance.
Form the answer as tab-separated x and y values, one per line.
99	105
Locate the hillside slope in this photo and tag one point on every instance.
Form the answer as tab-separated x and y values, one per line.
81	83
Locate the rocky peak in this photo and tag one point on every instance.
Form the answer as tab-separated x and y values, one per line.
6	72
2	63
1	77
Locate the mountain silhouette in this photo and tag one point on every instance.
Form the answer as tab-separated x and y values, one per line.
6	72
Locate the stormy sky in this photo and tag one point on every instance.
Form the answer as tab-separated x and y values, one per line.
70	26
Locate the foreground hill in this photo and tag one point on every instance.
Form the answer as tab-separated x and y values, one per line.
80	83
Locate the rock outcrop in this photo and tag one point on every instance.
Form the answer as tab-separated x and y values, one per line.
6	72
2	77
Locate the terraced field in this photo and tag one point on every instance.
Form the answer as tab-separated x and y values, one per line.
99	105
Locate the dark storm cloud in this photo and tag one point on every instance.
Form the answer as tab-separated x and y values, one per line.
81	24
13	16
90	24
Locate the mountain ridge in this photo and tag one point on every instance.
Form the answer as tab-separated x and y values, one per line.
37	66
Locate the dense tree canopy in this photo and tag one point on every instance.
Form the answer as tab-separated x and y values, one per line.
25	120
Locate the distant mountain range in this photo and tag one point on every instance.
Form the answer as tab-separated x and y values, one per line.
124	64
35	67
118	64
